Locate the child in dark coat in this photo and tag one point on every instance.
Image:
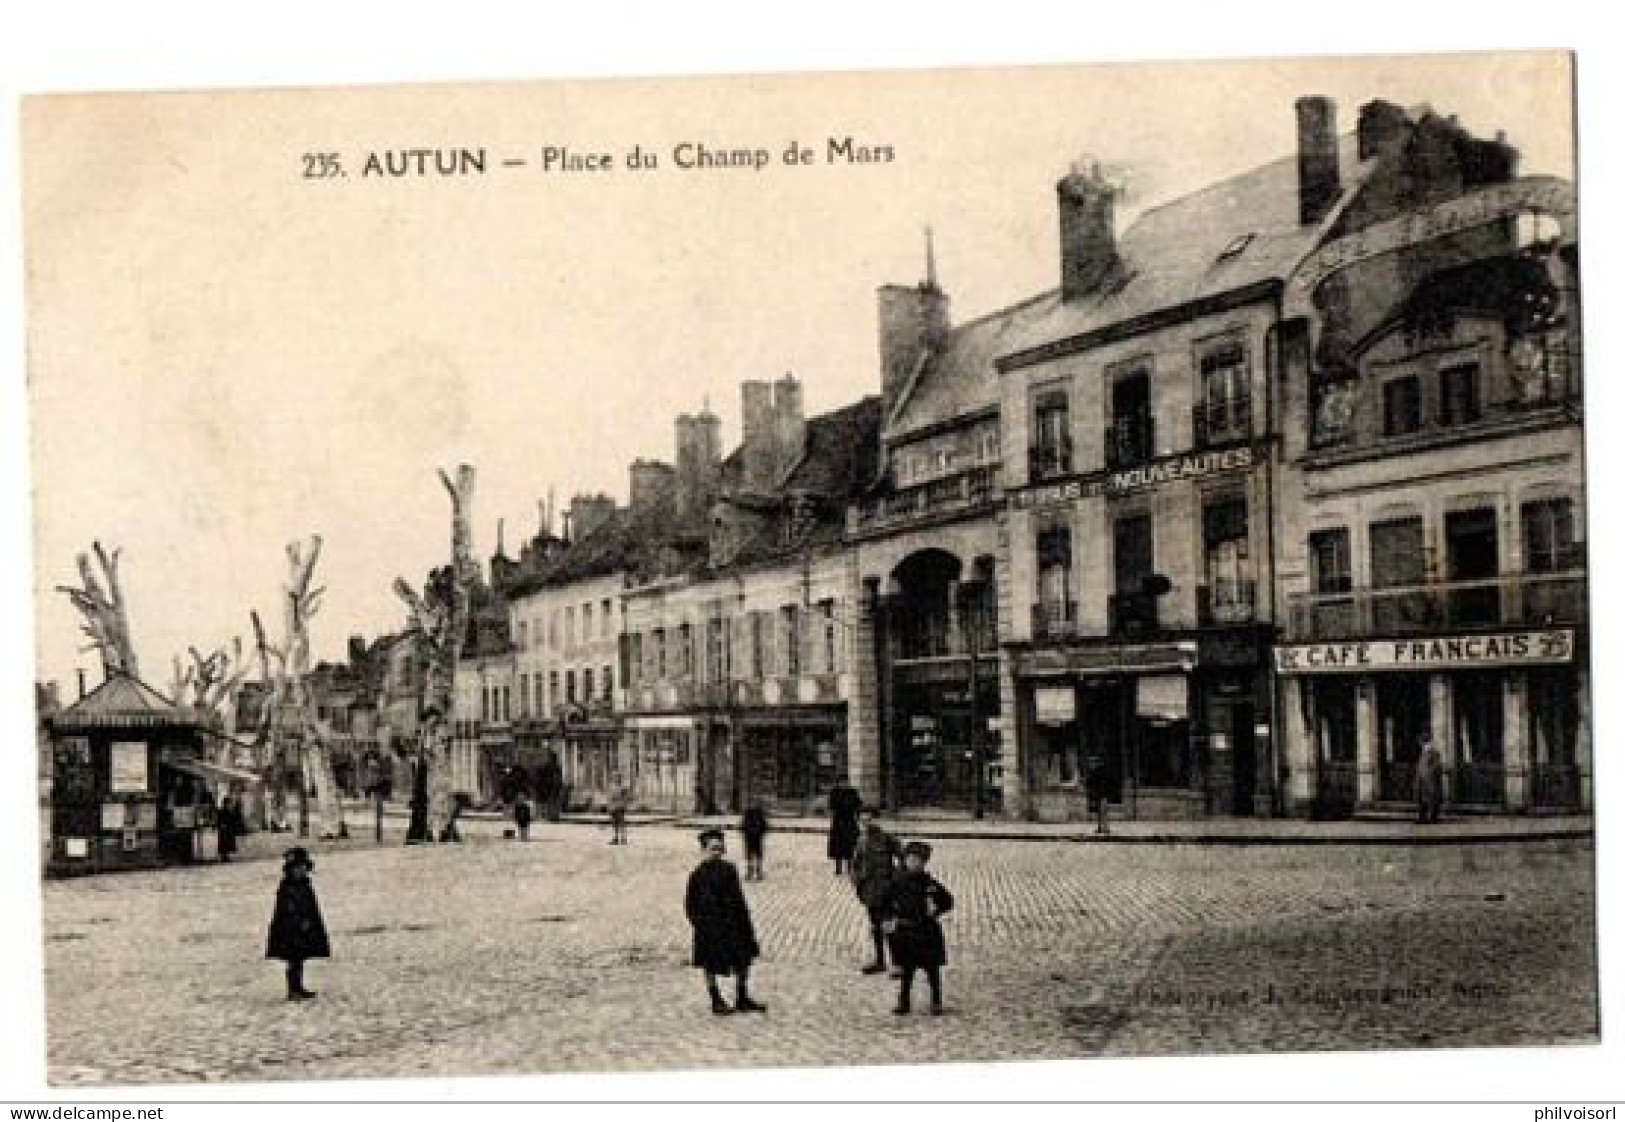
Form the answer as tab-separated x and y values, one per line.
753	825
913	904
724	938
297	932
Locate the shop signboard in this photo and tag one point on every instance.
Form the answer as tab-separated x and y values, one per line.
1442	652
1055	705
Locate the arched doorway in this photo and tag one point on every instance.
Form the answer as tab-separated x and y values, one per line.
944	682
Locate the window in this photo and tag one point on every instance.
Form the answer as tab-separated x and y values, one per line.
660	652
758	666
1229	564
524	695
609	683
524	634
586	684
605	618
717	668
569	627
1054	577
1548	537
586	622
790	633
632	672
1224	413
1130	438
827	610
685	651
1458	394
1329	569
1052	435
1401	406
570	686
553	629
553	691
536	684
1133	560
1399	561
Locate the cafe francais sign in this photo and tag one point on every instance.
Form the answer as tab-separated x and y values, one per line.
1443	652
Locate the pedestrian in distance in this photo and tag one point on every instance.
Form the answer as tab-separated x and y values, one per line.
915	904
297	932
1095	789
724	938
876	862
844	804
1429	782
521	816
230	823
619	800
753	826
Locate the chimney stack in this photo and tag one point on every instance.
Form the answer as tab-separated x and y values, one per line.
789	426
1088	235
699	456
756	437
1381	124
1319	179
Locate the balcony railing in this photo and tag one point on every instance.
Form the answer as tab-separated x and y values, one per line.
1224	421
1130	440
963	491
1055	620
1046	461
1524	599
1226	601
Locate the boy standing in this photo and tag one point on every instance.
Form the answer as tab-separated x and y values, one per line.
876	862
724	938
618	802
915	902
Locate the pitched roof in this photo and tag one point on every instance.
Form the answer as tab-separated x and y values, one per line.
1226	237
123	701
842	451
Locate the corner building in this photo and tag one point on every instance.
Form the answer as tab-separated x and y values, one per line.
1432	560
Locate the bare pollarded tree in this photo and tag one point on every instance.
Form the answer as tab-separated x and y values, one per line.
439	621
291	710
107	620
209	684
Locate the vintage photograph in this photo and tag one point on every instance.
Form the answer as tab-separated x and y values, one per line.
804	570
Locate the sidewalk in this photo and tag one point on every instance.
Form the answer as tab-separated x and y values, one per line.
1369	830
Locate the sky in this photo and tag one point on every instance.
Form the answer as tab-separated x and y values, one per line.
225	355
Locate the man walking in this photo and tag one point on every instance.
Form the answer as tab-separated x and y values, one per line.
724	938
1429	782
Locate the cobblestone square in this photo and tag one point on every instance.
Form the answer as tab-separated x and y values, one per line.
565	954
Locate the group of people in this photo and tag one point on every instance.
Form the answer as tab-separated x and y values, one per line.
903	900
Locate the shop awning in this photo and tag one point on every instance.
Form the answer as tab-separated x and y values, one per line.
212	772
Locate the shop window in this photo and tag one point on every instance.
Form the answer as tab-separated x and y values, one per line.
1401	406
1458	394
1164	753
1553	714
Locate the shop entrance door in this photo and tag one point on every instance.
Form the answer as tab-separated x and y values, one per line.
1245	754
1404	716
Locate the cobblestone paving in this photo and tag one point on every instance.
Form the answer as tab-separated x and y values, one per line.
566	954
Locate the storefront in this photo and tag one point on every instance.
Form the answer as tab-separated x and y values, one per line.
1506	711
1181	728
661	755
943	725
788	757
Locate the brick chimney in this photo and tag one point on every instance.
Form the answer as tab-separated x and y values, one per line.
699	453
789	426
588	512
653	486
1088	236
1319	179
1381	123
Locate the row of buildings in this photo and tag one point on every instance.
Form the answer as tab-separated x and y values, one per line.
1281	479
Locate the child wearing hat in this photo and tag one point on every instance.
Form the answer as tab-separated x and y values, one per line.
297	932
724	938
913	904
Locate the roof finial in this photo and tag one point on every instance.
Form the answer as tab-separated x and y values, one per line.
930	260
